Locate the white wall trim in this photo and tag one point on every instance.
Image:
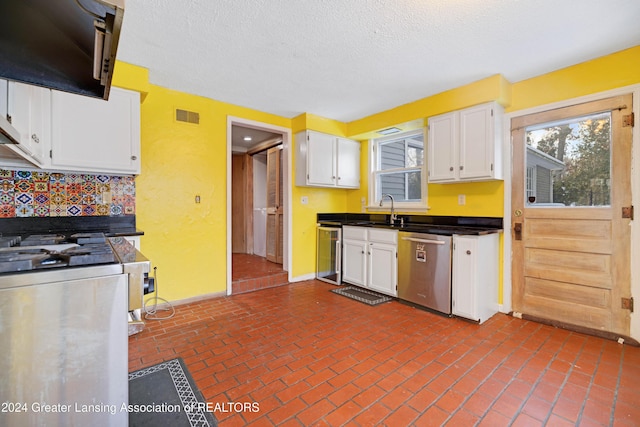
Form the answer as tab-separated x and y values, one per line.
286	144
635	191
308	276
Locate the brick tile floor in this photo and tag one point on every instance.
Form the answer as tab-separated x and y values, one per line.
307	356
251	273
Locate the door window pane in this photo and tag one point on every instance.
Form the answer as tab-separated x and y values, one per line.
570	161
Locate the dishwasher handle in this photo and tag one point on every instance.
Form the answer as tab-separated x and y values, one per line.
433	242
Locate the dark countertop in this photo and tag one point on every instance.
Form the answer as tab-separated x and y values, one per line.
111	226
442	225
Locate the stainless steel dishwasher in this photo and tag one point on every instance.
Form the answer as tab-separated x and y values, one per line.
424	270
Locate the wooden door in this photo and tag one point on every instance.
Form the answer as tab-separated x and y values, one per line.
571	264
241	204
274	205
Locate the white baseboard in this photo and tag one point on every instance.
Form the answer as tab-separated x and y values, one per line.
304	277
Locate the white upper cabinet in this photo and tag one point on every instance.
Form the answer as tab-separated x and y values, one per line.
29	108
94	135
465	145
324	160
348	161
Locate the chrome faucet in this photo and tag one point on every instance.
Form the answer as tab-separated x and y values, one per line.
392	219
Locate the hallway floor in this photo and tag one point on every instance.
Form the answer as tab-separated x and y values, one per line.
307	356
252	272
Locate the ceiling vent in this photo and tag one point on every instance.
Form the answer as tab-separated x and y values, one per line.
389	131
187	116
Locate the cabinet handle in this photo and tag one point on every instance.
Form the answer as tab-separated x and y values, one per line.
468	252
35	138
134	158
362	251
451	169
461	167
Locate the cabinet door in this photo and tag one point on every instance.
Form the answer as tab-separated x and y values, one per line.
4	97
477	142
348	162
321	154
354	261
443	151
30	110
383	268
464	277
94	135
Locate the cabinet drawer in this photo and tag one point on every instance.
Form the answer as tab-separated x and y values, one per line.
383	236
355	233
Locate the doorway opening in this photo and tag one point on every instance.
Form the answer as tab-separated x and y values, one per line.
258	208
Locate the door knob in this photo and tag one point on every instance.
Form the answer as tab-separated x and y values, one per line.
517	229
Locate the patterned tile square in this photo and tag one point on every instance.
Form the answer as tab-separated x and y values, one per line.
41	198
58	210
88	210
89	199
41	176
41	186
74	199
6	174
6	197
105	179
24	175
116	210
89	187
7	211
88	178
7	185
24	210
41	210
24	198
103	210
74	210
25	186
74	187
58	199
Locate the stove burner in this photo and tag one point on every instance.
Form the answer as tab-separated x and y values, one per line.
48	251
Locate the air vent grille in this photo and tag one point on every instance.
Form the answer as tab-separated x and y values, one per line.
187	116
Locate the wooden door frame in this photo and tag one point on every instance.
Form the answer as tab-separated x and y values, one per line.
287	168
506	306
247	202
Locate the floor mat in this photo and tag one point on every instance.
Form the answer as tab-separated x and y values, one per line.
362	295
165	394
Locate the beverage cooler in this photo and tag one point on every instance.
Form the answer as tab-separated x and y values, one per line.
329	254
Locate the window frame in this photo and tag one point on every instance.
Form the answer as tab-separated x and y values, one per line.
374	171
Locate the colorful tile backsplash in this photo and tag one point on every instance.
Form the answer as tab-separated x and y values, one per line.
41	194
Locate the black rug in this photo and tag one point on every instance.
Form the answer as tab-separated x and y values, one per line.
166	395
362	295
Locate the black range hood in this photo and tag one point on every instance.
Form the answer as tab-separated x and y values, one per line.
68	45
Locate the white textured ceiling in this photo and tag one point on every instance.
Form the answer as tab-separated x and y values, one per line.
347	59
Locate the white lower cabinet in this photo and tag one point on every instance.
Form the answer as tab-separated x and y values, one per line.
475	276
354	265
370	258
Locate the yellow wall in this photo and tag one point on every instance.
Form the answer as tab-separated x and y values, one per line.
320	200
187	241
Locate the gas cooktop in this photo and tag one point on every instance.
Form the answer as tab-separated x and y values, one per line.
44	251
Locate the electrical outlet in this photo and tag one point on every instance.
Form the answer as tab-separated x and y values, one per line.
304	200
197	198
462	199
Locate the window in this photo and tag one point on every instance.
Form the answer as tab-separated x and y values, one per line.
572	161
397	168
